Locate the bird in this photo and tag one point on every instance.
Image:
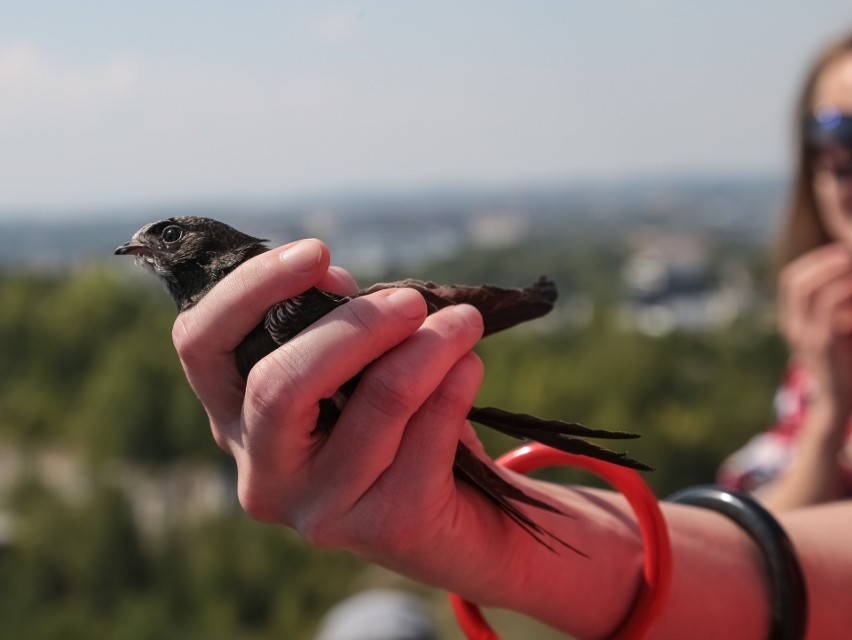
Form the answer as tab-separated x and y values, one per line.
190	254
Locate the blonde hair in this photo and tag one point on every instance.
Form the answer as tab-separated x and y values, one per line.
803	228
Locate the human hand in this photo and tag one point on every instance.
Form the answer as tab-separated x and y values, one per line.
381	483
815	312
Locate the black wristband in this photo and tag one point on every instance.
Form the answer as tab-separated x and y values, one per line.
787	590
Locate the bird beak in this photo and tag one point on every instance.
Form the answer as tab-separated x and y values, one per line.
133	247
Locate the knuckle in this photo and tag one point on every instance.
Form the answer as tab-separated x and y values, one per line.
224	442
363	316
461	387
255	502
185	337
450	325
392	389
449	396
271	390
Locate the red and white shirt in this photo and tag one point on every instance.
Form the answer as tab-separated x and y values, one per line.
767	454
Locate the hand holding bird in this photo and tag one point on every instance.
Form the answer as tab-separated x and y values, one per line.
192	254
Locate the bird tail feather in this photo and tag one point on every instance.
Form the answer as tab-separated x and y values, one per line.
557	434
499	491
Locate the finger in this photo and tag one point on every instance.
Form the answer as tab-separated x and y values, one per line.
428	449
843	322
835	305
280	409
224	316
338	281
391	391
206	335
471	440
277	479
801	281
417	496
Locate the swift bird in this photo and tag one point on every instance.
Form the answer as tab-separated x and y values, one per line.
191	254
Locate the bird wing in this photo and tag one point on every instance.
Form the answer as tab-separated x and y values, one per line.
290	317
282	322
500	307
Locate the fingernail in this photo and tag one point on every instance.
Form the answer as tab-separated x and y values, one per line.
408	302
470	313
303	257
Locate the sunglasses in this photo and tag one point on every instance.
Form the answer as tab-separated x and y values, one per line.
829	126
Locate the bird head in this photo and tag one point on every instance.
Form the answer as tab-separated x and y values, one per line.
190	254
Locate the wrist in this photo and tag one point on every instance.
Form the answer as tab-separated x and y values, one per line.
602	526
472	554
827	422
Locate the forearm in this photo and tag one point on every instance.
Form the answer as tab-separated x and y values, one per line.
821	536
586	597
718	579
719	587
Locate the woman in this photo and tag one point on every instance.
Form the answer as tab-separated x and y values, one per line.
807	457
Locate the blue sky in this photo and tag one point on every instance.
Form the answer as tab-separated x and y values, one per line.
121	103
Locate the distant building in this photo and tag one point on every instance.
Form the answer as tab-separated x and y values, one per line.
497	229
671	284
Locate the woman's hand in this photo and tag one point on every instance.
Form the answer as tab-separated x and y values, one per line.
816	317
815	307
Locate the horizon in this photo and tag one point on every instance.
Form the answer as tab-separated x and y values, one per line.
349	198
398	228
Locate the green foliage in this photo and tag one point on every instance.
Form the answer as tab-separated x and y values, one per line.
83	572
88	361
88	365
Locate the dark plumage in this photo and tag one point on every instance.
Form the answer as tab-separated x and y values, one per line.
191	254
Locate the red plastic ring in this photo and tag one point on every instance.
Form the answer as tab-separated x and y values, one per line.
657	569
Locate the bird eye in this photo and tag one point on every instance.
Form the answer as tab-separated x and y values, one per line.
172	233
